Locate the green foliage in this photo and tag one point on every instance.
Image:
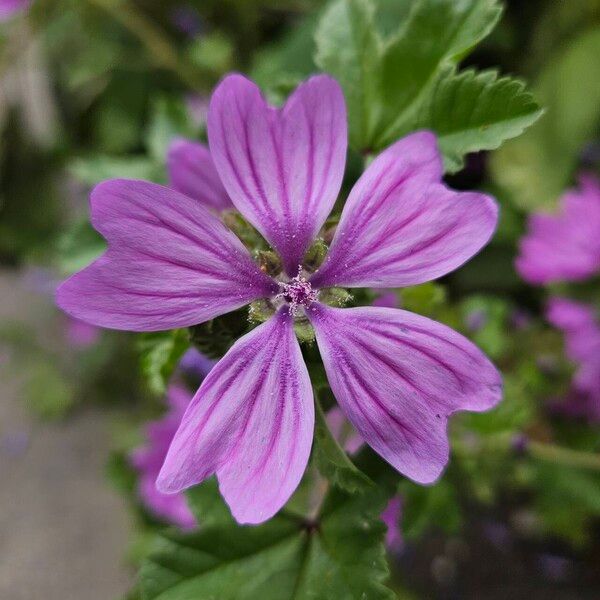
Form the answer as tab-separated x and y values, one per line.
160	353
332	461
98	167
407	80
536	168
79	245
475	111
340	556
429	507
169	119
566	500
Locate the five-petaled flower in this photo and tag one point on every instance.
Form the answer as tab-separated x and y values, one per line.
171	262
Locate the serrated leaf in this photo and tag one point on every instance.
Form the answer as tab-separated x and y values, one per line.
159	354
341	557
386	81
475	111
332	461
437	33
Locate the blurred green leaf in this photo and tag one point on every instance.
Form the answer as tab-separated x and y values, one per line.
169	119
160	353
96	168
341	557
536	168
332	460
78	247
429	507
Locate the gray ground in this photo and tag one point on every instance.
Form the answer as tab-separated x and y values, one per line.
63	531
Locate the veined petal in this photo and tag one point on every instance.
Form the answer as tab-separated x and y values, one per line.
398	377
170	263
251	422
282	168
401	227
192	172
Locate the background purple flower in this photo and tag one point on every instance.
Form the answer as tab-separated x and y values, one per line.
564	246
582	341
171	262
10	8
148	460
391	517
81	334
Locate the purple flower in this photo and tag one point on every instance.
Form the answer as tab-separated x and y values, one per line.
172	263
192	172
81	334
391	517
582	341
565	246
193	361
187	19
10	8
148	460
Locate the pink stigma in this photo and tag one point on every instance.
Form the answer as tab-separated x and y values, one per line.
298	293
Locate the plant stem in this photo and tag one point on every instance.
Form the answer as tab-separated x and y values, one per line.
153	39
564	456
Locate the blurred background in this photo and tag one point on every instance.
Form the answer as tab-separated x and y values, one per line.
95	89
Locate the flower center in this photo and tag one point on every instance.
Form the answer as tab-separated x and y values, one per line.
298	293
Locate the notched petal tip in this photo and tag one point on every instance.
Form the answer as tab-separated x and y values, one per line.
399	377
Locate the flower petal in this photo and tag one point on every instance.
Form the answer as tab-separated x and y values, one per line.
192	172
170	263
564	246
251	422
401	227
282	168
398	377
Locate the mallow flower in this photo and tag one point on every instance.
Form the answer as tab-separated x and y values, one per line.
171	262
581	329
148	459
564	246
10	8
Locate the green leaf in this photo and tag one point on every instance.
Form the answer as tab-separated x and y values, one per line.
385	81
160	353
206	503
341	557
349	48
475	111
332	461
96	168
536	168
429	507
169	119
79	246
436	33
